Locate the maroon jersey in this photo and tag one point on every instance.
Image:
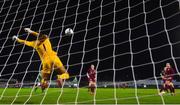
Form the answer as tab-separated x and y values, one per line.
91	74
168	73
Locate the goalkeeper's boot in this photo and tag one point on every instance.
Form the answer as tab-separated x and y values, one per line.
44	84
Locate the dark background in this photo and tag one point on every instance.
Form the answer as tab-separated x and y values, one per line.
99	30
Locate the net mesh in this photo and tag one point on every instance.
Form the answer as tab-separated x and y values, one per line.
129	41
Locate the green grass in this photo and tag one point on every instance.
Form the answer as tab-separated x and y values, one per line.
104	96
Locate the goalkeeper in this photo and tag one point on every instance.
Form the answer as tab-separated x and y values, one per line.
49	58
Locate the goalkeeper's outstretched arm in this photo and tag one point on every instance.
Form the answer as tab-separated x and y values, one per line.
31	32
39	35
28	43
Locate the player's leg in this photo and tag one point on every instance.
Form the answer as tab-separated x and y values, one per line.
37	86
45	73
44	81
92	86
38	83
163	88
171	86
62	76
166	86
62	73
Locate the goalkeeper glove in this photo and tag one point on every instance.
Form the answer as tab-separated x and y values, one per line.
28	30
14	37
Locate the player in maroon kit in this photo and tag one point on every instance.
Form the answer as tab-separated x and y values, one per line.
164	85
91	74
167	77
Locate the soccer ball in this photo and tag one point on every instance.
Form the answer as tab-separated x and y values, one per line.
69	31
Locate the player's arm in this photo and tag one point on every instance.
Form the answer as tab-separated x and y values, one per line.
31	32
28	43
87	75
42	36
172	73
162	74
95	75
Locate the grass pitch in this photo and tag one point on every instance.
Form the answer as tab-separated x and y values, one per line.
70	96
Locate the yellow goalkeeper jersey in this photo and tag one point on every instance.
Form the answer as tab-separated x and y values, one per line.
43	48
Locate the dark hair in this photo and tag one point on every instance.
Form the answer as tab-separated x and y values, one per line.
42	37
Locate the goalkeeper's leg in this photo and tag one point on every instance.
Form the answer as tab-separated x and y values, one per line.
38	84
62	73
44	81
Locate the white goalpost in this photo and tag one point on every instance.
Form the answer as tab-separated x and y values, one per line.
128	41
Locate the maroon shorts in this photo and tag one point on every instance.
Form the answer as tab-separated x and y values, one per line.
92	79
170	79
167	79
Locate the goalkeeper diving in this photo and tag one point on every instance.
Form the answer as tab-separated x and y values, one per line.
48	57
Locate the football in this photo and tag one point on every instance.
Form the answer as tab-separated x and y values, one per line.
69	31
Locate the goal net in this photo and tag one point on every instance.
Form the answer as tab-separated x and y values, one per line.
128	41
